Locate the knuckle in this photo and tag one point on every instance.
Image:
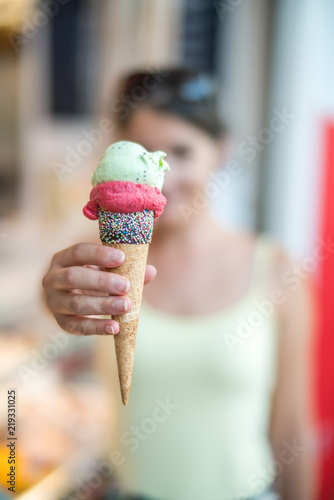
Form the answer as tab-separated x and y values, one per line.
70	276
77	251
75	304
97	329
55	258
80	328
106	306
104	281
101	253
45	281
72	327
62	322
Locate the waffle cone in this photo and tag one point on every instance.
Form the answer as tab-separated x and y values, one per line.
125	341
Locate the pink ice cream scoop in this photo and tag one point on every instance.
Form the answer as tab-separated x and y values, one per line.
124	197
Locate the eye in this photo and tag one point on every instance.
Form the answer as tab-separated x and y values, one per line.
181	151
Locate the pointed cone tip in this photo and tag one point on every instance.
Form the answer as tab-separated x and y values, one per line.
125	399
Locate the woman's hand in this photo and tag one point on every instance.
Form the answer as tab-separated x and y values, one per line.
77	286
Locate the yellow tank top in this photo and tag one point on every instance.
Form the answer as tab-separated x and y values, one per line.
196	425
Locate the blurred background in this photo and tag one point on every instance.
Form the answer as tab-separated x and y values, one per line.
60	62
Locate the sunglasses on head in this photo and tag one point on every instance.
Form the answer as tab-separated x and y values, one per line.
167	85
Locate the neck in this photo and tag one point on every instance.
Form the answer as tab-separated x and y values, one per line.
202	228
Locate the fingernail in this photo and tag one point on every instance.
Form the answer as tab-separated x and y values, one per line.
118	257
122	285
121	305
109	329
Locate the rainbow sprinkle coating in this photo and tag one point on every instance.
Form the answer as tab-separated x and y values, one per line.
134	227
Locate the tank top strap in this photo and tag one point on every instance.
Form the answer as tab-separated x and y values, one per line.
265	260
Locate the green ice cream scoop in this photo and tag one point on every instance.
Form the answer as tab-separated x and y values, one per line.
129	161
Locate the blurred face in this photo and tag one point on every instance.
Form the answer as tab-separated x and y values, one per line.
191	153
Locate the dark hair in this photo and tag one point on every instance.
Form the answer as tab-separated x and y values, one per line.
184	92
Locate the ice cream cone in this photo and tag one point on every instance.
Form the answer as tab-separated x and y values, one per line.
126	198
132	234
125	341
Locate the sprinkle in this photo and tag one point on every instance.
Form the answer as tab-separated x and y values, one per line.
134	227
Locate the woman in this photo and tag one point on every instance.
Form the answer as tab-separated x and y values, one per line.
220	405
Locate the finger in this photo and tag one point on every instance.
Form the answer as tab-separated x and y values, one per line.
79	325
150	274
84	278
85	305
89	254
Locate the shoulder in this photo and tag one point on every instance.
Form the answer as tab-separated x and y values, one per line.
278	261
289	282
293	285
